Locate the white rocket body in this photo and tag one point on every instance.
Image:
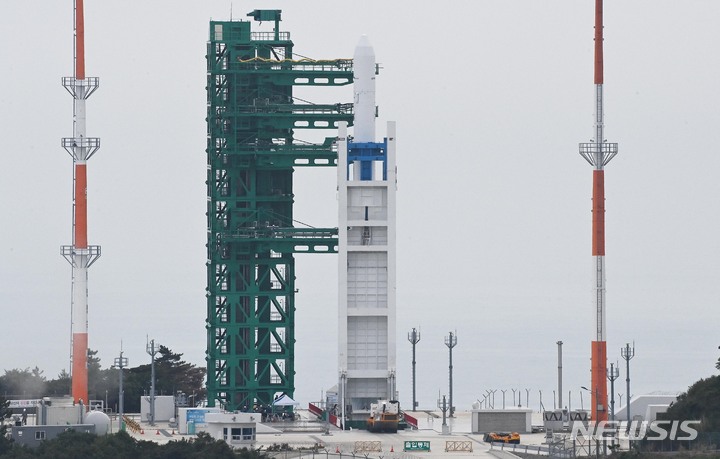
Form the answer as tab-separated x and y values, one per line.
364	89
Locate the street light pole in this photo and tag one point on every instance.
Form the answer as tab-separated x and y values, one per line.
120	363
628	354
444	408
612	374
151	350
559	345
414	338
591	394
451	342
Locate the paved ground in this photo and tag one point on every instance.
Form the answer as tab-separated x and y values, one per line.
335	440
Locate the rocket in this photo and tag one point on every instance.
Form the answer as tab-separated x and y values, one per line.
364	91
366	248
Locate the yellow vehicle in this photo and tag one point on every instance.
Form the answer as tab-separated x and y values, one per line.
384	416
502	437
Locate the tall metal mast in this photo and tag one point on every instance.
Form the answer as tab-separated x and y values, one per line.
598	153
414	338
451	342
628	354
612	375
80	254
560	404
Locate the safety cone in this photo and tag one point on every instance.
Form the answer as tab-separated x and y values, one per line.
142	431
157	432
337	449
391	449
173	432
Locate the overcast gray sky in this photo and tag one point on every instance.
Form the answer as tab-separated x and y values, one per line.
491	99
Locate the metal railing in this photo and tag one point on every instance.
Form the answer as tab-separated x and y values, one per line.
338	450
561	448
526	449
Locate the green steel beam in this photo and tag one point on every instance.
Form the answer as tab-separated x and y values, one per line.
252	117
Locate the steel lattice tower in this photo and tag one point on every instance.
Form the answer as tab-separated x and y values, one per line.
80	255
251	149
599	153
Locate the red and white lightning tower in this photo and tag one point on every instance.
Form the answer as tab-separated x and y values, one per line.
80	254
598	153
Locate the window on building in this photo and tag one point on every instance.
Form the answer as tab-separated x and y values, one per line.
40	435
248	433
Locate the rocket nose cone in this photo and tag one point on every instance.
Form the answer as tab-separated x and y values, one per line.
364	48
364	41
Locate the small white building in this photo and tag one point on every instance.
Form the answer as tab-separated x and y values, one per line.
512	420
647	406
193	420
164	408
235	429
53	411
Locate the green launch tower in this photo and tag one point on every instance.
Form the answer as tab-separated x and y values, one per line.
252	117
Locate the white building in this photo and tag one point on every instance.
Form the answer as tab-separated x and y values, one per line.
235	429
164	408
646	406
193	420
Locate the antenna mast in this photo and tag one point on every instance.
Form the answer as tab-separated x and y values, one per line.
598	153
80	255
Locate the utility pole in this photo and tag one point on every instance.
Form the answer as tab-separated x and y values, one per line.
613	374
151	350
444	408
120	363
451	342
414	338
559	345
627	353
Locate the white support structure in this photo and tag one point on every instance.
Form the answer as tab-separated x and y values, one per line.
367	279
367	253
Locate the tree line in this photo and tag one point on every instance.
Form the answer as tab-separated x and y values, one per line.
172	375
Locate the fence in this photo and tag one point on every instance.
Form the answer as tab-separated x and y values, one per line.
333	452
464	446
562	448
367	447
132	424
